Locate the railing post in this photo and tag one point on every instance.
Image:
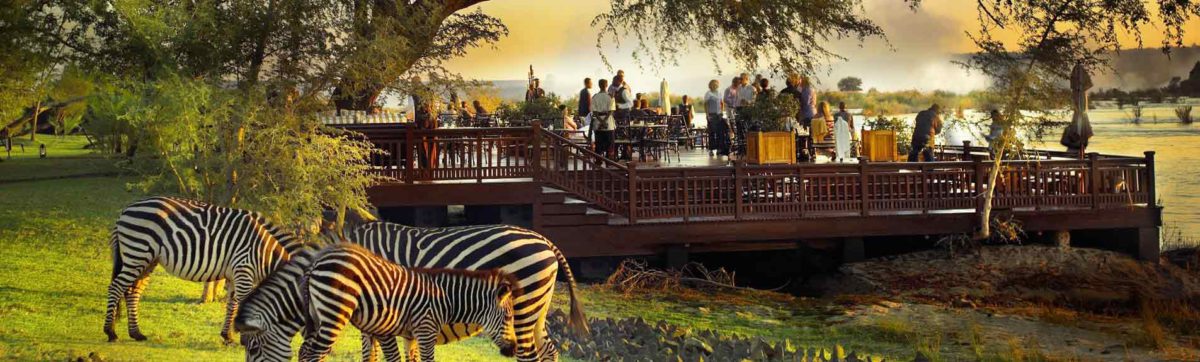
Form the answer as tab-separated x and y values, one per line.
478	166
536	152
632	192
1094	178
409	144
737	189
863	186
966	155
1151	196
687	196
980	179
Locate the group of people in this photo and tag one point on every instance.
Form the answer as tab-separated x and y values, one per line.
727	117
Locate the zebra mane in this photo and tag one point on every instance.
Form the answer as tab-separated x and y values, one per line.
486	274
298	264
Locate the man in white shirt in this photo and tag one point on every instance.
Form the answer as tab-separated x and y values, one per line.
603	124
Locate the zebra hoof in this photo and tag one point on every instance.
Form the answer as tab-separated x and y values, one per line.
112	336
137	336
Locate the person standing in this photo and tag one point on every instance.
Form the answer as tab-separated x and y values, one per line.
603	125
535	91
808	102
928	125
996	129
585	102
746	95
731	98
718	128
424	120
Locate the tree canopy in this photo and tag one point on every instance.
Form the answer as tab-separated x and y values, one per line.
850	84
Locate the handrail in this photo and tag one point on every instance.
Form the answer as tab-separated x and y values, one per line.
583	172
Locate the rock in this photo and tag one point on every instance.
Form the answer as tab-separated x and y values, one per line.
698	345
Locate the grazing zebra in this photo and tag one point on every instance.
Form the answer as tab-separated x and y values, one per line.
193	241
347	284
525	254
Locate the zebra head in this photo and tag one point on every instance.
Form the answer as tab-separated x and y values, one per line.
498	321
273	312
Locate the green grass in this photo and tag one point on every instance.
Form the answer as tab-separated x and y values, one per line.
66	157
57	267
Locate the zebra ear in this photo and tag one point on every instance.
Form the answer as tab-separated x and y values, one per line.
249	325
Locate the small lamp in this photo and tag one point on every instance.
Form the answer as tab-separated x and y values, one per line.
42	151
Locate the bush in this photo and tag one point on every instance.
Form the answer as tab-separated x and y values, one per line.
771	114
903	131
544	109
1184	113
231	148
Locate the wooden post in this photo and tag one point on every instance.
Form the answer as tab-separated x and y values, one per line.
980	179
687	195
966	155
863	187
478	164
737	189
1151	195
409	144
535	166
1094	178
632	192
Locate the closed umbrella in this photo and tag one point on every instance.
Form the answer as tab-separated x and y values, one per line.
664	97
1077	134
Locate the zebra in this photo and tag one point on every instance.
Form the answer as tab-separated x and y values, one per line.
347	284
527	255
193	241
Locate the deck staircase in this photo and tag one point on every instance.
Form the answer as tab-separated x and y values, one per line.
561	208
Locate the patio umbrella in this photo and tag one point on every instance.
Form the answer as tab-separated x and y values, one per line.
664	97
1077	134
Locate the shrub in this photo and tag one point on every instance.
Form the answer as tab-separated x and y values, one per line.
771	114
1184	113
903	131
231	148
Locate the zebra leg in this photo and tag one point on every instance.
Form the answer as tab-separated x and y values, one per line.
368	348
237	288
133	298
391	351
412	353
123	277
426	342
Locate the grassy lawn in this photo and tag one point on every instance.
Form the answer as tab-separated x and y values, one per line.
52	289
66	157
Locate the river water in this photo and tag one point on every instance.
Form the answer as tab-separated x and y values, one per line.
1177	156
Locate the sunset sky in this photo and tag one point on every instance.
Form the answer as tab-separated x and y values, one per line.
556	37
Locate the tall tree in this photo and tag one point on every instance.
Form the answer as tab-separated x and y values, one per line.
850	84
1029	72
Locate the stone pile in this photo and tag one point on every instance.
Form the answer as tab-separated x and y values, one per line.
633	339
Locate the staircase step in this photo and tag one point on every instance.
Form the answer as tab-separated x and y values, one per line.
552	198
565	209
570	220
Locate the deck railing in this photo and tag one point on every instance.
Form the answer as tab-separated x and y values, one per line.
691	194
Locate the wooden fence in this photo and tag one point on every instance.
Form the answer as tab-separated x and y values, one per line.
693	194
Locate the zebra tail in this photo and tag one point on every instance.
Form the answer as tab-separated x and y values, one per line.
577	321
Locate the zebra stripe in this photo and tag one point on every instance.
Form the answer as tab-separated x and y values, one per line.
346	284
193	241
525	254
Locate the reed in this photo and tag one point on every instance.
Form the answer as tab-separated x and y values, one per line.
1184	113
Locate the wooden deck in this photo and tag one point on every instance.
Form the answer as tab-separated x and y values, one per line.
591	206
